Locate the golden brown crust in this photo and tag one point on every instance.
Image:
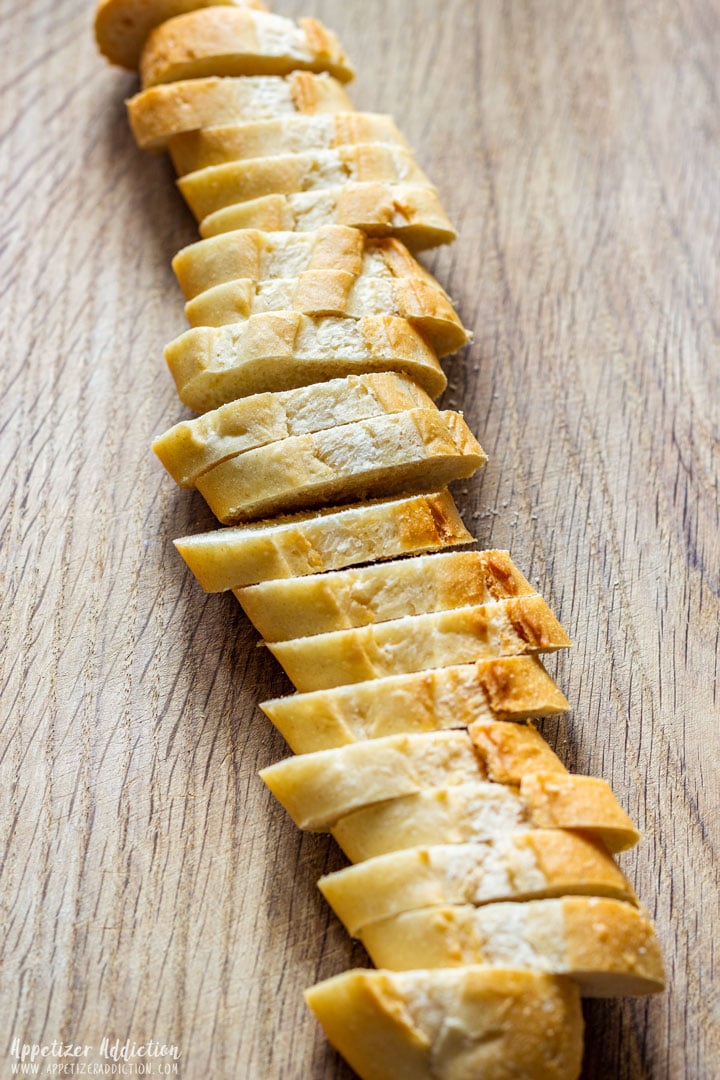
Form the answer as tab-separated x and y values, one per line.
509	751
422	701
562	802
194	150
192	447
539	864
440	639
411	212
301	607
216	187
385	454
233	41
452	1025
283	350
123	26
158	114
608	946
311	543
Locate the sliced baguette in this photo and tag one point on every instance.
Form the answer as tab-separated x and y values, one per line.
472	812
288	135
415	450
331	271
509	688
284	350
519	866
317	790
459	1024
162	112
515	627
218	186
192	447
411	212
237	41
607	946
302	607
123	26
313	542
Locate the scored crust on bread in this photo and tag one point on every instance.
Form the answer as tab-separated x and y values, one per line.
333	270
284	350
509	688
607	946
532	865
317	790
459	1024
160	113
219	186
477	811
514	627
192	447
195	150
411	212
316	541
387	454
302	607
123	26
239	41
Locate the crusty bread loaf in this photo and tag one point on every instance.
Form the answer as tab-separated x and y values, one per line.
283	350
123	26
414	450
192	447
514	627
472	812
312	542
301	607
288	135
218	186
319	789
411	212
460	1024
331	271
608	946
158	114
530	865
508	688
239	41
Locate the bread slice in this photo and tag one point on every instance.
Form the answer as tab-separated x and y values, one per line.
331	271
284	350
608	946
312	542
508	688
317	790
458	1024
514	627
302	607
209	190
478	811
532	865
162	112
452	1025
123	26
411	212
238	41
192	447
288	135
415	450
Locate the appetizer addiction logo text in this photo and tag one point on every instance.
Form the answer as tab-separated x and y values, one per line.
110	1058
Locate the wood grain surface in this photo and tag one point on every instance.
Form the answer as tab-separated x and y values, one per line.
150	886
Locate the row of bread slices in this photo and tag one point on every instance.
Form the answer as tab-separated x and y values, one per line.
482	864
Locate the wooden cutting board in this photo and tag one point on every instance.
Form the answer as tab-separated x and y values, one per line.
150	887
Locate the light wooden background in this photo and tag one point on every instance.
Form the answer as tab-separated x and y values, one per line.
150	887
